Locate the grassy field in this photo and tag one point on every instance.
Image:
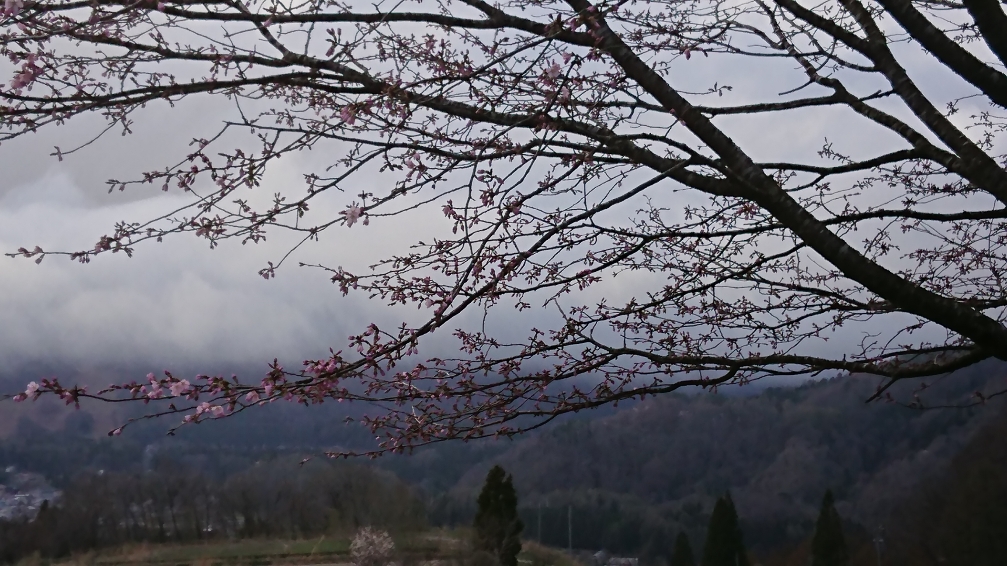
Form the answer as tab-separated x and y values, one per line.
227	551
439	546
220	553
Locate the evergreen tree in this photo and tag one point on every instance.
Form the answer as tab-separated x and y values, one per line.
724	545
681	555
828	547
498	529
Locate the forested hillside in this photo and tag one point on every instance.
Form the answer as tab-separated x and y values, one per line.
636	478
627	480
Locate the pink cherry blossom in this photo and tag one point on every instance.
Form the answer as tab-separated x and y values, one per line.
352	214
31	391
29	72
179	388
348	115
12	7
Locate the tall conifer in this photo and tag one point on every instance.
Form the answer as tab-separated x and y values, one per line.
681	555
724	545
828	547
498	529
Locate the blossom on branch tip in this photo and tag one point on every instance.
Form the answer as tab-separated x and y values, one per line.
449	210
352	214
348	114
31	391
553	71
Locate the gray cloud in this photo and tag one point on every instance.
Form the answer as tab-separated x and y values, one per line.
179	300
175	299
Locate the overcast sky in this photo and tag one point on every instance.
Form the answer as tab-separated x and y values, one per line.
181	301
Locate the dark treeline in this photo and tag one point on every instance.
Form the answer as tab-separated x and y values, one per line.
173	503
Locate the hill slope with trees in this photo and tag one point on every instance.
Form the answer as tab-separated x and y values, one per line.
633	479
636	478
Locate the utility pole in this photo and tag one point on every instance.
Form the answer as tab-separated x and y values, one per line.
540	522
569	528
879	542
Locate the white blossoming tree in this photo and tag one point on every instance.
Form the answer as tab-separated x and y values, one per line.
371	547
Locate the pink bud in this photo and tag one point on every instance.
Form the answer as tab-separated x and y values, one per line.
348	114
